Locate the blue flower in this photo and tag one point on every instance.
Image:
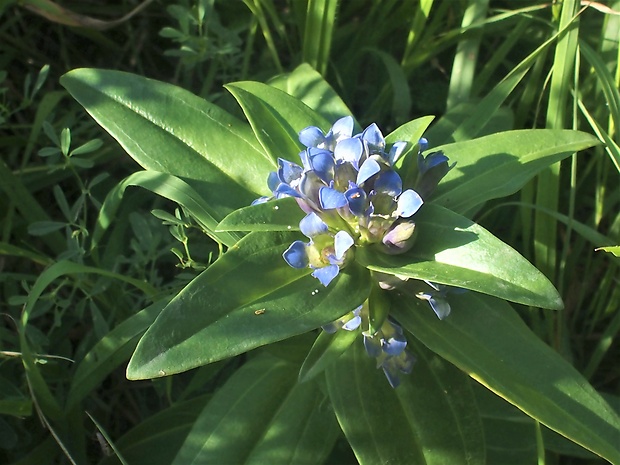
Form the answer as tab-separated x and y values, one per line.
389	347
431	169
352	196
437	298
325	252
351	193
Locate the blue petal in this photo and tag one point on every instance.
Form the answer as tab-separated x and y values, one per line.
369	168
342	242
288	171
431	161
349	150
296	255
330	198
260	200
389	183
353	323
422	144
311	136
391	373
284	190
323	164
357	198
394	345
440	306
372	135
305	159
273	181
396	151
312	225
372	346
326	274
409	202
343	127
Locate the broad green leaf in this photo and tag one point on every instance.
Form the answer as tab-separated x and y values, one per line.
281	421
450	249
411	132
112	350
326	350
275	215
276	118
248	298
500	164
430	419
509	434
169	187
485	338
168	129
308	85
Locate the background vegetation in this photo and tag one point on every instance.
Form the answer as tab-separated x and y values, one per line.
515	64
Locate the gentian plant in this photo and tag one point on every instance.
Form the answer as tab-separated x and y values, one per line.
346	251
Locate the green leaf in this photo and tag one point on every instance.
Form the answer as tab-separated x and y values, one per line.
308	85
613	249
87	147
275	117
274	215
431	418
485	338
500	164
168	129
248	298
410	131
326	350
282	421
169	187
450	249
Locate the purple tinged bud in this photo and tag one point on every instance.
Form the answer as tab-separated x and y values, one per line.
399	239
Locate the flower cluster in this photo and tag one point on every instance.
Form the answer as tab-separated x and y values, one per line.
352	196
